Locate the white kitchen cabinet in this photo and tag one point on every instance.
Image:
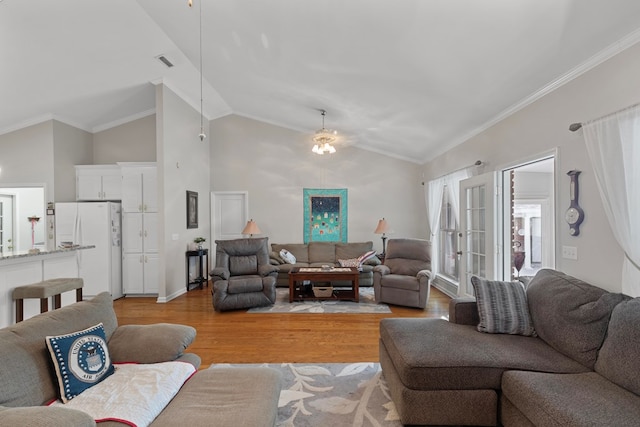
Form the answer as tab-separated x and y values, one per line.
139	187
140	273
140	252
140	232
98	182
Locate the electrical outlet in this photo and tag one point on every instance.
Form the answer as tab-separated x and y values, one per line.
570	252
175	236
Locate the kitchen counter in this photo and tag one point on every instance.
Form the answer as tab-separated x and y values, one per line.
26	254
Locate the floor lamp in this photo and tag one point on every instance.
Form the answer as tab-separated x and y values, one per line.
382	228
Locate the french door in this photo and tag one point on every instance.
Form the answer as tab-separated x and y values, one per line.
477	224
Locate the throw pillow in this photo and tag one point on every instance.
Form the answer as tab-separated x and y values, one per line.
366	256
351	262
275	256
81	360
502	307
287	256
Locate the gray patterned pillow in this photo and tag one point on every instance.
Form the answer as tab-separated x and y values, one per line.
502	307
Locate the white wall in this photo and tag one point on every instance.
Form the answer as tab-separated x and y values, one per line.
134	141
543	126
25	157
71	146
275	164
183	164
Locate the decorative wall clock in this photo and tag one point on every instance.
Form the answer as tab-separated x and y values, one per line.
574	215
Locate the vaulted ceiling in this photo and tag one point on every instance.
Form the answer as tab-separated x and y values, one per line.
408	78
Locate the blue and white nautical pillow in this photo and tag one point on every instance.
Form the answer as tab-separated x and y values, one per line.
81	360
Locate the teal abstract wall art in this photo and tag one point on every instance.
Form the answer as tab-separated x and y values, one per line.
325	215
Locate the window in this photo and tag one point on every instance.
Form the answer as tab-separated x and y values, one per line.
448	239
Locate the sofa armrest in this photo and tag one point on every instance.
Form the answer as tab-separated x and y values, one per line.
381	269
161	342
266	269
463	311
44	416
219	273
424	273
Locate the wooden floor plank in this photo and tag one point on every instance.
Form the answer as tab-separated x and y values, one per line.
240	337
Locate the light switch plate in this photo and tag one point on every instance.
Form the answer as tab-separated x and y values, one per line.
570	252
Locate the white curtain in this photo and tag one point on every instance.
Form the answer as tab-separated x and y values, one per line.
452	181
434	204
434	194
613	144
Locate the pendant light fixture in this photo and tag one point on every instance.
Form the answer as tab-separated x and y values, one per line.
202	135
323	139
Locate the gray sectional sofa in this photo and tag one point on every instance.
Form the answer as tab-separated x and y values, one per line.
221	397
582	368
317	254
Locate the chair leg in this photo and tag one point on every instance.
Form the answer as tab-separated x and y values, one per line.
78	294
44	305
19	310
57	301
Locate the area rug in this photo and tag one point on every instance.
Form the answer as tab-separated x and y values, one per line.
333	394
367	304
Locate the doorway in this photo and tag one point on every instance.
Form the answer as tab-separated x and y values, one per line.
528	232
6	223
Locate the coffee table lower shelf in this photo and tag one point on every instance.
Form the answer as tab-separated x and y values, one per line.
338	295
298	291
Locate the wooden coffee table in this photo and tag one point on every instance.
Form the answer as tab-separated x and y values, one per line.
317	274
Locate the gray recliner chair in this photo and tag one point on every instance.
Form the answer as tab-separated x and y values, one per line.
404	278
243	276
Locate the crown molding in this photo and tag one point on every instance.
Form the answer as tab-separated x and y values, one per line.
123	120
597	59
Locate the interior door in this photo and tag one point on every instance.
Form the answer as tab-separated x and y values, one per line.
229	215
477	218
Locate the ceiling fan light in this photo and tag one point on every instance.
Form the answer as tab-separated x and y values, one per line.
323	139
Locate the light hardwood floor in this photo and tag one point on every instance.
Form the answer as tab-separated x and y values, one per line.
239	337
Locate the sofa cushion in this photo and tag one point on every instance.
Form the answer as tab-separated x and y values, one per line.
428	355
81	360
160	342
585	399
619	356
244	264
299	250
569	314
25	366
352	250
408	256
502	307
322	252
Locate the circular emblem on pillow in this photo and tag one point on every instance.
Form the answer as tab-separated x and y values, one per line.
88	358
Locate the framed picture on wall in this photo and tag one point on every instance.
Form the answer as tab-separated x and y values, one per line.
192	209
325	215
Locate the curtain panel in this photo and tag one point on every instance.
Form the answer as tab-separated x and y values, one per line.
613	145
435	191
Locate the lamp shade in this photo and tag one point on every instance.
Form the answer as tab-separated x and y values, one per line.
383	227
251	228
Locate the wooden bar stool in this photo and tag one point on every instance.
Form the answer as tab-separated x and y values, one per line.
45	289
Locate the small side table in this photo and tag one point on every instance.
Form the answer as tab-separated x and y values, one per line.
203	274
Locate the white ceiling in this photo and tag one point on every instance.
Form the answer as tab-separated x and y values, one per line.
410	78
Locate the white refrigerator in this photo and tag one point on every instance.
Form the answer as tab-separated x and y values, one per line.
98	224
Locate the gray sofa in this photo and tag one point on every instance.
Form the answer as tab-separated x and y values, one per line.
582	368
221	397
317	254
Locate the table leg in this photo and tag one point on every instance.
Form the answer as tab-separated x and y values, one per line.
356	288
292	287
